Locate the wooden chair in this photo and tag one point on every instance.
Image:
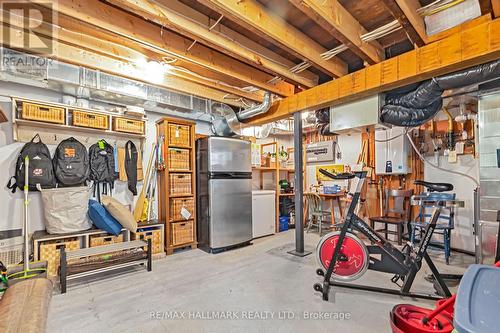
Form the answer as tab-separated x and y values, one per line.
398	213
316	216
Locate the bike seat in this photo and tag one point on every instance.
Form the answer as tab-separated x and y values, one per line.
435	187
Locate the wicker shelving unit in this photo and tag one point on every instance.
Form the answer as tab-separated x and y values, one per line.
177	183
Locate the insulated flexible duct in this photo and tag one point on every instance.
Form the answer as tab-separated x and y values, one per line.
420	105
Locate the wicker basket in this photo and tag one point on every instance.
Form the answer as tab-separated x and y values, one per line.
182	233
39	112
180	184
91	120
99	240
128	125
155	235
179	159
179	135
176	205
51	252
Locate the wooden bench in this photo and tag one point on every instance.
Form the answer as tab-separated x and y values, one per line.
70	268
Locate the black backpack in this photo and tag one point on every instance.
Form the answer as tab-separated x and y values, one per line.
71	163
102	168
40	169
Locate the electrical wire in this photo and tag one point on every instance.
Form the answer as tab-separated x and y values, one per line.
436	166
394	137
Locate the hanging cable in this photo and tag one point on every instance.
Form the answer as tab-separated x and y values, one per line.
436	166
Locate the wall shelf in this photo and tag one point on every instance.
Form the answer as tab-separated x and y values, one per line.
53	133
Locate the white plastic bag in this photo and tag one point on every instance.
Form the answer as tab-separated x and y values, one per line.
65	209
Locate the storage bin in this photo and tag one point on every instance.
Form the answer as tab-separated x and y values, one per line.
51	252
284	222
180	184
179	135
176	205
155	235
179	159
38	112
90	119
128	125
182	232
105	239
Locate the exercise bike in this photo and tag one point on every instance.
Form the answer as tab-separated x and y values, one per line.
344	257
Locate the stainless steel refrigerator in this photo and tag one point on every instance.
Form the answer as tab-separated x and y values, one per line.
224	193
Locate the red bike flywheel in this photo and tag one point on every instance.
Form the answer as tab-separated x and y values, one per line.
407	318
353	250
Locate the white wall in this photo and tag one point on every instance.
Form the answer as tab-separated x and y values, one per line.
462	237
11	205
350	147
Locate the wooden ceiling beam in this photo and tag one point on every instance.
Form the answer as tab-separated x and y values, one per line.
495	7
164	14
137	30
273	28
120	53
80	57
412	23
477	45
75	26
334	18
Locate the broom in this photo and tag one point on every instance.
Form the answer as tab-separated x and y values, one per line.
142	201
39	268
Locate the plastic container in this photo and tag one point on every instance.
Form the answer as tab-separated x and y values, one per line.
477	305
284	222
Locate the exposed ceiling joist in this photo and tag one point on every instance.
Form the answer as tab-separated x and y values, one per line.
495	6
164	14
409	8
77	56
405	12
272	27
153	36
117	51
477	45
334	18
71	25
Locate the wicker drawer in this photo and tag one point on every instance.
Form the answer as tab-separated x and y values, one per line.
179	159
179	135
182	232
155	235
176	205
39	112
90	119
128	125
99	240
51	252
180	184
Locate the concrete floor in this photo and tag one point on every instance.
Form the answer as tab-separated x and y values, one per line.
259	288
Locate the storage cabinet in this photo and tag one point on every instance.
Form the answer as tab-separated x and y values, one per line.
177	190
50	251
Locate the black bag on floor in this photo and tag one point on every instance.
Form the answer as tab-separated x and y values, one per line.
102	168
71	163
40	167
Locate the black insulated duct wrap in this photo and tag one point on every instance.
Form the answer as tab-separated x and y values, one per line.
416	107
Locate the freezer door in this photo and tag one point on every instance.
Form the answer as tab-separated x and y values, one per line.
230	212
227	154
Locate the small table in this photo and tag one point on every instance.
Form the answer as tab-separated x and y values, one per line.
331	198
